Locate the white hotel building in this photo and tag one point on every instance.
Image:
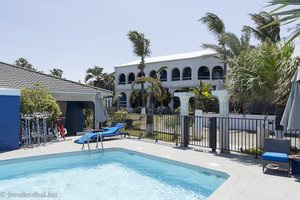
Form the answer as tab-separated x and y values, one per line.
184	70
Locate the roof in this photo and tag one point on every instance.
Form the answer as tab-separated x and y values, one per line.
181	56
16	77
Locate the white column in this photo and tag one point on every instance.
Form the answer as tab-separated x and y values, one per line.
223	98
198	124
184	111
184	101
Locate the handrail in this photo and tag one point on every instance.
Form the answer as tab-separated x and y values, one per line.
88	141
100	140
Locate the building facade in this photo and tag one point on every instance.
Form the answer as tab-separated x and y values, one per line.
183	71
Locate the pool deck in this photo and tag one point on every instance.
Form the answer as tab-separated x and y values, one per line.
246	178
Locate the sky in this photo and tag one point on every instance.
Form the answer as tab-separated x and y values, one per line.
75	35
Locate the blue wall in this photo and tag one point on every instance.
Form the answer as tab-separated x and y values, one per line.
74	118
9	122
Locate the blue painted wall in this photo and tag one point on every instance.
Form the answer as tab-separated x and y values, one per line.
74	117
9	122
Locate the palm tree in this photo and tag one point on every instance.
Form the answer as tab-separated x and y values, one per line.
267	27
95	77
262	75
57	72
140	48
22	62
217	27
287	16
109	80
156	89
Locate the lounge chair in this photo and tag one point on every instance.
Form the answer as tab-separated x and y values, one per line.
276	152
108	132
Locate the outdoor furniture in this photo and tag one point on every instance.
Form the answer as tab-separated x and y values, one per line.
108	132
295	164
276	152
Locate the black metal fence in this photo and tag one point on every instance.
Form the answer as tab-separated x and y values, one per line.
216	133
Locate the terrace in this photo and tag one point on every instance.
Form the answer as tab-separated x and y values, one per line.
246	178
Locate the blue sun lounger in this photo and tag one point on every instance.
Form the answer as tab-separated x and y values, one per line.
108	132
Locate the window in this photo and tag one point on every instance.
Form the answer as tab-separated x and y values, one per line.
122	100
122	79
203	73
217	73
187	74
131	78
140	74
163	76
152	74
175	74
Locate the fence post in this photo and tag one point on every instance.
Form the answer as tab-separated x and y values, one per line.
149	124
186	130
213	133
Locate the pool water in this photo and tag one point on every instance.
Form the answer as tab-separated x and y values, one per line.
112	174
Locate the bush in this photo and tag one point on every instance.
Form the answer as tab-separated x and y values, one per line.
38	100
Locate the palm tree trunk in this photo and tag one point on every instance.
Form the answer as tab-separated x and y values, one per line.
143	95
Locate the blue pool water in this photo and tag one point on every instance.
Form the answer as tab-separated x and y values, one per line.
112	174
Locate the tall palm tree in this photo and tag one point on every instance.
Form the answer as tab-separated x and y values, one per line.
287	16
109	80
141	48
267	27
217	27
95	77
57	72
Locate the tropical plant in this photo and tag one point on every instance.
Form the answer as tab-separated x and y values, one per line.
286	15
109	80
267	27
262	74
229	45
38	100
203	95
22	62
155	89
141	48
57	72
95	77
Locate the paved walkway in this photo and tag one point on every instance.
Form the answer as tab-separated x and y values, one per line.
246	178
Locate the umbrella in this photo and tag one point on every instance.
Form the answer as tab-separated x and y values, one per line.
100	111
291	116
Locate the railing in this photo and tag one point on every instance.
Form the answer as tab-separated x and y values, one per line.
216	133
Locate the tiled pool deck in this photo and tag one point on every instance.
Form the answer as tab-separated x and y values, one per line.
246	178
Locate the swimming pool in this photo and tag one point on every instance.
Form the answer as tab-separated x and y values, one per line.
112	174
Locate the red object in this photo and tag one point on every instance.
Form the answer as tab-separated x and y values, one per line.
61	130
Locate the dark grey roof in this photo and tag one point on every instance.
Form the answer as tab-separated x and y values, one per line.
12	76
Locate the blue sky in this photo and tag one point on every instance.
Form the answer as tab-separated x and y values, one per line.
75	35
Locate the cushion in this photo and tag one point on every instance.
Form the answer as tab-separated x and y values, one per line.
274	156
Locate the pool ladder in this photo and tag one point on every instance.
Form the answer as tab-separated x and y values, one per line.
88	141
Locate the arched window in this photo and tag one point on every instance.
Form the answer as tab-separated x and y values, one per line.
131	78
152	74
217	73
175	74
187	74
140	74
163	76
122	79
203	73
122	100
